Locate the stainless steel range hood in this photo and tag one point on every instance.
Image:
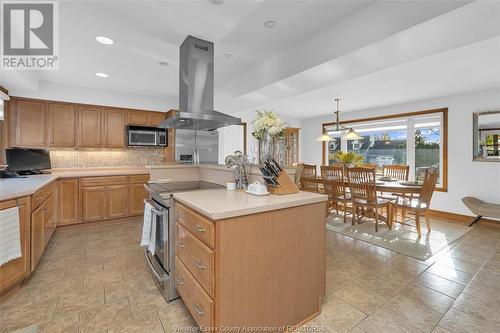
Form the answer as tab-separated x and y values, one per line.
196	89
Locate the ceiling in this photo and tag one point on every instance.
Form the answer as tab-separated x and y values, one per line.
369	53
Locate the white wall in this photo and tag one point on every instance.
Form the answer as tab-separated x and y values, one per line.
465	177
75	94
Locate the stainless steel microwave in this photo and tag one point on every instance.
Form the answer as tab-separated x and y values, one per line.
147	136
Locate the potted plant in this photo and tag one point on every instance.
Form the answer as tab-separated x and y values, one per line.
348	159
267	126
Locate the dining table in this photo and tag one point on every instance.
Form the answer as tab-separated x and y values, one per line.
392	186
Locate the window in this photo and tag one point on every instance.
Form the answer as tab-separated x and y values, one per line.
2	111
417	139
3	97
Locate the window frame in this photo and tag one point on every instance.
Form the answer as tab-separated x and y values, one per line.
444	137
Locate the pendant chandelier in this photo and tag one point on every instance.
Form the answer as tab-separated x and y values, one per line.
350	134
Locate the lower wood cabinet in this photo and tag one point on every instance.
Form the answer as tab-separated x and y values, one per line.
16	270
37	235
68	201
117	201
93	203
112	197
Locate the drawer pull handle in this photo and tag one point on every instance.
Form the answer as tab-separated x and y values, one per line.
180	281
199	264
198	309
180	244
180	217
199	228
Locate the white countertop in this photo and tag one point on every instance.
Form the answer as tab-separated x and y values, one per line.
11	188
221	204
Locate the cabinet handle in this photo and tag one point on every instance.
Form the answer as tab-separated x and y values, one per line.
199	228
198	309
180	244
199	264
180	281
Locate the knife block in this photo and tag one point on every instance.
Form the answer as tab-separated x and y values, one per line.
286	185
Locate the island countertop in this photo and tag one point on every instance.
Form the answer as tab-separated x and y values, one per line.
222	204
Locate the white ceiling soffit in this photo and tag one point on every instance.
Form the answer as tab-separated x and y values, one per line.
470	68
466	25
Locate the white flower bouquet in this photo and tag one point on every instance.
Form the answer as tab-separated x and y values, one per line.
266	121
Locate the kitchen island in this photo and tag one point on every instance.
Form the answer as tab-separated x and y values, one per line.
255	263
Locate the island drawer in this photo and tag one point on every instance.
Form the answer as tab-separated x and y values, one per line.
104	181
197	225
199	304
198	258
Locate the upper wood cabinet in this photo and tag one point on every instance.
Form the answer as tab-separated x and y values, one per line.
89	126
61	125
28	123
155	118
137	117
114	128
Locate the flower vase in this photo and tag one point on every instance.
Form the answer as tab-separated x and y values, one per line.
266	147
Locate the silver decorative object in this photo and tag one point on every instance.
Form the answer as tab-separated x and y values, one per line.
239	163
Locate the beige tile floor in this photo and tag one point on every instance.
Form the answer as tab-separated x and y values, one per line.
95	280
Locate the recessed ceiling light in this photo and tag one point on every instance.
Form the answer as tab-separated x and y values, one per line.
216	2
103	75
270	24
163	63
104	40
228	55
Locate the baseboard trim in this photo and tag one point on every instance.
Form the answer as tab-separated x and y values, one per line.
460	217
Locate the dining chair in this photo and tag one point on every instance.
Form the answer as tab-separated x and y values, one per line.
399	172
334	185
420	204
309	178
364	196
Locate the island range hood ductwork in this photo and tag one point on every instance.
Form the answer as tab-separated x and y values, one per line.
196	90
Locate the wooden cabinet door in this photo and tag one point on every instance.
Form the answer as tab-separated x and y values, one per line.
89	126
137	117
37	235
68	201
155	118
49	217
29	123
137	195
117	201
61	125
93	203
114	128
16	270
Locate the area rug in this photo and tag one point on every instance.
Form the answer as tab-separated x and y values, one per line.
402	238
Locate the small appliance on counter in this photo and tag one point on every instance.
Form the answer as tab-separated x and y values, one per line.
277	179
27	161
138	136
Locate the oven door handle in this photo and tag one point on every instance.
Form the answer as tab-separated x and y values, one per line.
158	277
156	211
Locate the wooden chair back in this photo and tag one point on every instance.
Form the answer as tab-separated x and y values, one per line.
308	178
400	172
362	183
333	180
430	180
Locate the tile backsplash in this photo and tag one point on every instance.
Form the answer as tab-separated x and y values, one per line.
94	158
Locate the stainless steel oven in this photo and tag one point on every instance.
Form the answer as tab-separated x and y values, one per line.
146	136
161	263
